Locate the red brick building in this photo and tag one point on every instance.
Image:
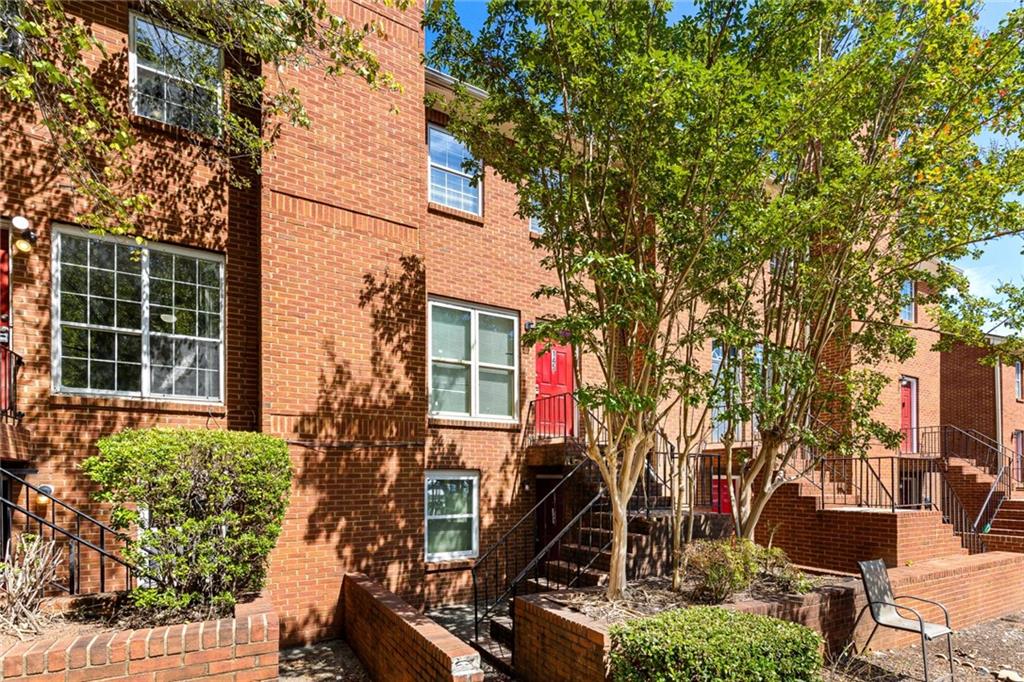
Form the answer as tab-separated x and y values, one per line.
360	298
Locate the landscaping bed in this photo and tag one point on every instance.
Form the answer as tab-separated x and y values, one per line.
653	595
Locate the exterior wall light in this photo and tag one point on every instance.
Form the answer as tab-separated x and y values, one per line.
26	238
43	494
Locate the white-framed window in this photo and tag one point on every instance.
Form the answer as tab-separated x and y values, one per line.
1018	380
174	78
535	226
908	311
719	425
452	524
138	321
450	184
474	361
10	38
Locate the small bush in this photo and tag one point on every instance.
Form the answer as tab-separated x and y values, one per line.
207	505
26	573
720	568
780	574
713	644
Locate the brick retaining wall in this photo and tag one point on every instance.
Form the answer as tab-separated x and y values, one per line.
835	539
239	649
396	643
555	643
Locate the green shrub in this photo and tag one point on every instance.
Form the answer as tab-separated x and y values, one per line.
719	568
713	644
207	506
780	574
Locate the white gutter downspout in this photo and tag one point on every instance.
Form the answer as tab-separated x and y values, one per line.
999	404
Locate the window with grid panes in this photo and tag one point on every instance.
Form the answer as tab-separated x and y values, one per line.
136	320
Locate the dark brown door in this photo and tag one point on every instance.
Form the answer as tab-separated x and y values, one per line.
550	518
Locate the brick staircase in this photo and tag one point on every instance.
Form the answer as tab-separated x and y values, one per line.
827	529
1007	531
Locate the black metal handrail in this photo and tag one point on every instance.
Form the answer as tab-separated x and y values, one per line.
10	366
517	556
74	539
947	441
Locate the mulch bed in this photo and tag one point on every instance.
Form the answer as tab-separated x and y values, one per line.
650	596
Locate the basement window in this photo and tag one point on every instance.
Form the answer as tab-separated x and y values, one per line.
139	321
451	500
174	78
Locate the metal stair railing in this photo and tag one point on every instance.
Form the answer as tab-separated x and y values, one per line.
88	534
514	559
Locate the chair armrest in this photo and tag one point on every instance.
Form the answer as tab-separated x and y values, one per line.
945	611
914	611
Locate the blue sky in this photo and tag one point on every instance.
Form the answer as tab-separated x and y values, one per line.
1002	259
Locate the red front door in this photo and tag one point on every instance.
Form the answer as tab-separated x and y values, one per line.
554	407
907	414
721	503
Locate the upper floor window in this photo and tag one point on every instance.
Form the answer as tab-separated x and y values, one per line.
908	312
474	363
136	321
535	226
175	79
10	38
1018	380
450	184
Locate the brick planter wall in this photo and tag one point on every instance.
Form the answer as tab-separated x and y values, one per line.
242	648
396	643
555	643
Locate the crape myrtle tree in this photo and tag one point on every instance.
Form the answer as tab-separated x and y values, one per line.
641	149
884	184
783	168
48	57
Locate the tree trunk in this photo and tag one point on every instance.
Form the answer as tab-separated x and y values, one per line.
757	507
620	537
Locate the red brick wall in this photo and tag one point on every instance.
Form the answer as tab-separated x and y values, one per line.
969	395
243	648
397	643
554	643
193	206
837	538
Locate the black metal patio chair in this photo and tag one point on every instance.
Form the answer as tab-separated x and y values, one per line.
888	614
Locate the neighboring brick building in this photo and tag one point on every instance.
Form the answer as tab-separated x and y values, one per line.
984	397
326	271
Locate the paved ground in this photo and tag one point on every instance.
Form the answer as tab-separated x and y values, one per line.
333	660
982	652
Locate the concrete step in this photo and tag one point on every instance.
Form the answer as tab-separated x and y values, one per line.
637	524
496	654
573	574
501	630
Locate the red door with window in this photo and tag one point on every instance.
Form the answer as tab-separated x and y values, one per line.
554	407
907	414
